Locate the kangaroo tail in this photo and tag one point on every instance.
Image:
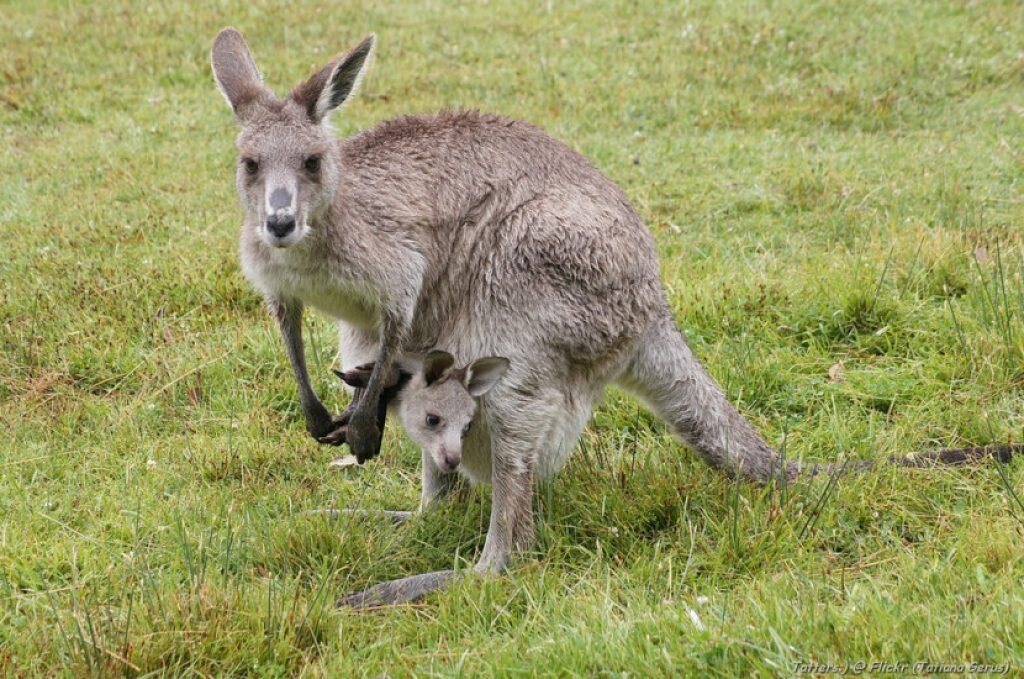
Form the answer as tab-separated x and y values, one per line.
947	457
667	376
958	457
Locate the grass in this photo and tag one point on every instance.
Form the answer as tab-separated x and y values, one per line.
835	189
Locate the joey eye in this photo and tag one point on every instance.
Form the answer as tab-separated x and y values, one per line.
433	420
312	164
251	166
465	430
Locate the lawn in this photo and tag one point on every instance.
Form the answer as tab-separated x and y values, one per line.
835	190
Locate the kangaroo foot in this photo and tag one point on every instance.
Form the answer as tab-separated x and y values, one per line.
397	517
401	591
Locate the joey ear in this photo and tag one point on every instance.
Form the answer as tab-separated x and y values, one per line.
483	373
335	83
437	366
235	71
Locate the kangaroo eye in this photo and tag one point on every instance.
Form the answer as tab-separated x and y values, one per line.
251	166
433	420
465	430
312	164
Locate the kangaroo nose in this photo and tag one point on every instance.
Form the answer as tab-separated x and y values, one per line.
280	226
452	460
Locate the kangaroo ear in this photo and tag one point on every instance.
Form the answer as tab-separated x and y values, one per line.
235	71
335	83
484	373
437	366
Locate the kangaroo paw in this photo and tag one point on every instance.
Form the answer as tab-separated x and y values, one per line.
401	591
338	435
364	435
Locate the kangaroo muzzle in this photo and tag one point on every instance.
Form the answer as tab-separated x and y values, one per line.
281	213
450	459
280	225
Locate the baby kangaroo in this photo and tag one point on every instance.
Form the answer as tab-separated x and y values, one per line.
438	410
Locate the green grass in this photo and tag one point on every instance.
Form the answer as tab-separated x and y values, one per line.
829	183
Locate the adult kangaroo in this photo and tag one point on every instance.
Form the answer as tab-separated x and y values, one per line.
479	235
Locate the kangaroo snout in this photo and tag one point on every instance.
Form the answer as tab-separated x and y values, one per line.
281	214
451	460
281	224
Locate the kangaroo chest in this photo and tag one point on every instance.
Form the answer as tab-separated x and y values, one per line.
285	275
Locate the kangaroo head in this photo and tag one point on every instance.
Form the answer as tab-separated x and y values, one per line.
288	164
439	403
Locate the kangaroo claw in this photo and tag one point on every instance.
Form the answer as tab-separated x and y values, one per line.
339	434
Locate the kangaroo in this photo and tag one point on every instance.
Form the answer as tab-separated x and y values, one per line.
437	408
481	234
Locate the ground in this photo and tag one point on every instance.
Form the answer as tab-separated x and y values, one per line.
835	190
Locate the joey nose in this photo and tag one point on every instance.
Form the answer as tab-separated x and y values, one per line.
452	461
280	226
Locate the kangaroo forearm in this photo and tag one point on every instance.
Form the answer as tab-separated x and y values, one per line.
383	372
366	424
369	402
289	318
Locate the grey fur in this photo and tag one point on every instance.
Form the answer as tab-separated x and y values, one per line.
482	235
